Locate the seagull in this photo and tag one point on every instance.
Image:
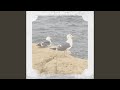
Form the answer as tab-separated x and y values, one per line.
45	43
66	46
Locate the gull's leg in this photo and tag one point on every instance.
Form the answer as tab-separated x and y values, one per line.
56	52
64	53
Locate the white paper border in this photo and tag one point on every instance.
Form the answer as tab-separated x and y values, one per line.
87	16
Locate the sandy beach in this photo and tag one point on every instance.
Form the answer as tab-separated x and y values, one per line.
47	61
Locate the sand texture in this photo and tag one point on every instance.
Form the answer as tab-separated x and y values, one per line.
47	61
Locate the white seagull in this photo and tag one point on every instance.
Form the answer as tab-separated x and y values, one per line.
66	46
45	43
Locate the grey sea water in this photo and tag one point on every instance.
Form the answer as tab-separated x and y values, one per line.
58	27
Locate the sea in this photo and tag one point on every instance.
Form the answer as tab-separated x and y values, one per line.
58	27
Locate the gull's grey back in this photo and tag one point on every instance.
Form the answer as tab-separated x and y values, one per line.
63	47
